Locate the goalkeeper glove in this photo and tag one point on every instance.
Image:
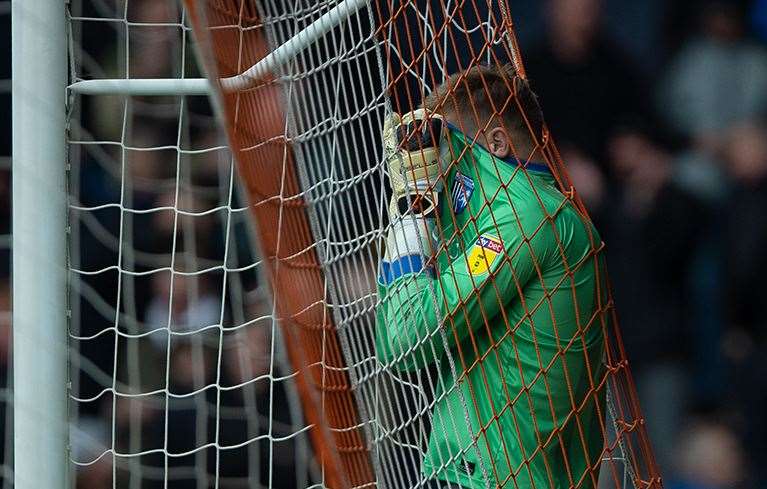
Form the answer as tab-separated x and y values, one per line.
412	149
412	145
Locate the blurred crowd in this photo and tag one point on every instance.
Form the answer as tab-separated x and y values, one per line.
659	108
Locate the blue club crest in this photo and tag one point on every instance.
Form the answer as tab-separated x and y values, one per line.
463	187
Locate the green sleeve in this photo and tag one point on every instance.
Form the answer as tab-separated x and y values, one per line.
463	296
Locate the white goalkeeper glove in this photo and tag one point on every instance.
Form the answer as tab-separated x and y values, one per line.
412	145
408	246
412	151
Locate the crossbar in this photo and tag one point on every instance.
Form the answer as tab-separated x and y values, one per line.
244	81
143	86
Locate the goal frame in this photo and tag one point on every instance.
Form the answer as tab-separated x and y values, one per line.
40	365
40	88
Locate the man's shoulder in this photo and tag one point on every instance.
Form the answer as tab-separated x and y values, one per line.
535	195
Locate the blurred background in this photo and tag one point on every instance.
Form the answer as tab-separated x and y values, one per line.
659	108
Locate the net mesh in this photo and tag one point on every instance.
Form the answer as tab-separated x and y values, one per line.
188	373
178	375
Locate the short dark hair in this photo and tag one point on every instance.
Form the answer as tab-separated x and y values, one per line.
483	92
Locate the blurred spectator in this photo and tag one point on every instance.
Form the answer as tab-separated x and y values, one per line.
585	82
719	78
195	237
248	354
652	227
587	177
183	304
152	43
97	475
638	27
255	408
745	154
709	456
647	217
89	439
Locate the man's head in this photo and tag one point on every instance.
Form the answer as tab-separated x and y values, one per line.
745	151
573	27
494	103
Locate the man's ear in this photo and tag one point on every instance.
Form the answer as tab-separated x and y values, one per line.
499	143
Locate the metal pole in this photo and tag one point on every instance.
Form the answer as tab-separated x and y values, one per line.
143	86
288	51
39	244
244	81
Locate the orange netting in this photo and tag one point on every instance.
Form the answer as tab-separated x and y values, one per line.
256	127
277	128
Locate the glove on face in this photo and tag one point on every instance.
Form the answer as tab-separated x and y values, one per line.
412	145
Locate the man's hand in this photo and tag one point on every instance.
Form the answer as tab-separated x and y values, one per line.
412	145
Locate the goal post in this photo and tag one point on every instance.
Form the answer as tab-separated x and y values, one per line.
39	244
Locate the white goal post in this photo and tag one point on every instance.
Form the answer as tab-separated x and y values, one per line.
39	244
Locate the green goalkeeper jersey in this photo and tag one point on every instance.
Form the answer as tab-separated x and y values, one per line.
515	296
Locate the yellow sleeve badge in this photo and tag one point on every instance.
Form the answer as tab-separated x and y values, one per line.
484	253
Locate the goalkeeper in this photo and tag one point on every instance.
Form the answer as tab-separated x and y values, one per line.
487	259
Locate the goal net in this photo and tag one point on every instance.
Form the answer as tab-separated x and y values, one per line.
178	377
225	268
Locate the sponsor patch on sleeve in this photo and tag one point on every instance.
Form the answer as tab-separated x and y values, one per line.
484	253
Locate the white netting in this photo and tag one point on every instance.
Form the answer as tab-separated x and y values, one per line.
178	379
